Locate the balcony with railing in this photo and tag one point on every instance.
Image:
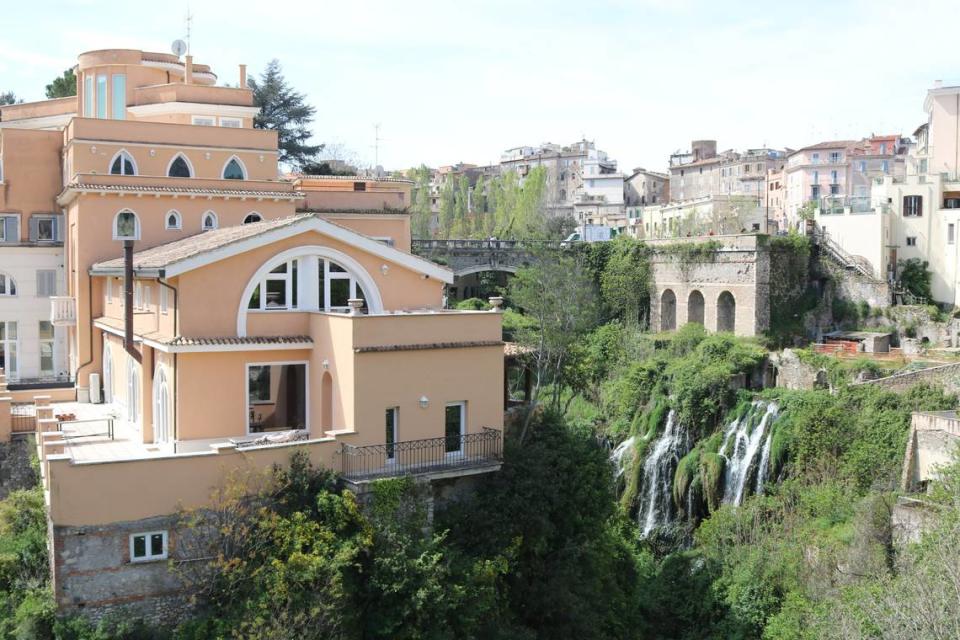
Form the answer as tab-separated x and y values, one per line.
446	456
63	311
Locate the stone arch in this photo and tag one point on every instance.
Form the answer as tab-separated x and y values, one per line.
726	312
668	310
695	307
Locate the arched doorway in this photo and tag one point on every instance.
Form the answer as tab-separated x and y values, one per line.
133	392
326	402
162	414
726	312
107	373
695	307
668	310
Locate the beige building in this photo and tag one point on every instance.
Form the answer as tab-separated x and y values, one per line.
642	188
702	172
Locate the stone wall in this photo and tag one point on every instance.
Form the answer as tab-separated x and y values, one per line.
854	287
93	574
16	471
947	375
739	268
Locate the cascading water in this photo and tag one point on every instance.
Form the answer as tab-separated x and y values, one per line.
656	507
742	442
619	452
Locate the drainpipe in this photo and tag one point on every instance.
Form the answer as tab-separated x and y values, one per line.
128	302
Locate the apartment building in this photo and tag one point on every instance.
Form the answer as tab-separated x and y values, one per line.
914	209
224	317
644	187
839	173
702	172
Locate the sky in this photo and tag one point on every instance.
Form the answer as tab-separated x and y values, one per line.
452	81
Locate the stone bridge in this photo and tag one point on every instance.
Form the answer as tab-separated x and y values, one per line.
465	257
724	288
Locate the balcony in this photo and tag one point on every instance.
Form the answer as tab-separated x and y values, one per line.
445	456
63	311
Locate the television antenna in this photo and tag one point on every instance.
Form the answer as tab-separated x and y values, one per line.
376	145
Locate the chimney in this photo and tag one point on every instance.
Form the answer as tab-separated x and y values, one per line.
128	301
188	70
243	76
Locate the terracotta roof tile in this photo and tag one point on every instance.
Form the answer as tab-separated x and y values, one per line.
136	188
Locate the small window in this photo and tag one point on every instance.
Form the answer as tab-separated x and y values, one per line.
7	286
209	221
390	437
10	229
179	168
174	220
204	121
126	226
359	186
146	547
122	165
834	157
230	123
137	295
233	170
46	283
951	233
911	241
43	228
912	206
252	217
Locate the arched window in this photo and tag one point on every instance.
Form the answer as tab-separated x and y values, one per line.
133	391
695	307
234	170
253	216
288	286
7	286
209	221
126	226
180	167
107	373
162	414
668	310
123	164
174	221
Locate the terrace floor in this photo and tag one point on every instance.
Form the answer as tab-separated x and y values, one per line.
88	439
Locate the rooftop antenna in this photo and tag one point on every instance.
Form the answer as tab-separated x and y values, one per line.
376	145
189	27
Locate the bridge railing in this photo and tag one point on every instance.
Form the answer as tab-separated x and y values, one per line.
481	245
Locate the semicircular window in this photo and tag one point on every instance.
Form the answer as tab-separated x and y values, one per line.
233	170
179	168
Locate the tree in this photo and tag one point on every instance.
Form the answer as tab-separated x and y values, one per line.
915	278
422	212
63	86
9	97
461	206
448	209
625	280
284	110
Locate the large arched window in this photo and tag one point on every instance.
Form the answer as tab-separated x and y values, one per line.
126	226
133	391
180	167
253	216
310	278
209	222
7	286
107	373
123	164
234	170
162	413
174	220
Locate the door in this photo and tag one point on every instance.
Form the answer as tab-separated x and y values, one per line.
455	425
162	425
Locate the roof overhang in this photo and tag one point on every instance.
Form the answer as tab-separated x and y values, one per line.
194	108
324	227
166	347
72	190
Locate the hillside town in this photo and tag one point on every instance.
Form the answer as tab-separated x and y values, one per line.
253	388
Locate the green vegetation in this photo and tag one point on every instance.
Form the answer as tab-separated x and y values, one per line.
286	111
63	86
915	279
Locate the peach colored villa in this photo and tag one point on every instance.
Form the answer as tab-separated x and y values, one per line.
215	316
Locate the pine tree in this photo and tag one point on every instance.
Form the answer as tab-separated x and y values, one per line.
63	86
284	110
9	97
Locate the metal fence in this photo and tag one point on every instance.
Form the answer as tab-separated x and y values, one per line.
421	456
23	417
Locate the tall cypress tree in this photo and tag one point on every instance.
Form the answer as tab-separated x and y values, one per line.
284	110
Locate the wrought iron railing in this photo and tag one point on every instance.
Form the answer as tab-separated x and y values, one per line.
413	457
23	417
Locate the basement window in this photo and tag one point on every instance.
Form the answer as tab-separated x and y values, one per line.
148	547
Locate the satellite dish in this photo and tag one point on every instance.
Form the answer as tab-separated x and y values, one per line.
179	47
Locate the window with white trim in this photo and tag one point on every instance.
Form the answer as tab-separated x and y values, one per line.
951	233
276	396
204	121
10	228
209	221
8	347
455	426
126	226
149	546
46	283
46	347
179	168
234	170
43	228
279	289
122	164
7	285
231	123
174	221
911	241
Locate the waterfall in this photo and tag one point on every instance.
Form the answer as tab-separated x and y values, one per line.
619	452
656	507
741	443
764	469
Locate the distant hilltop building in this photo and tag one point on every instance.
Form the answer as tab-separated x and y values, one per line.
702	172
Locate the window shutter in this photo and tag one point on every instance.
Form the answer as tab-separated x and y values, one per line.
57	221
11	225
34	228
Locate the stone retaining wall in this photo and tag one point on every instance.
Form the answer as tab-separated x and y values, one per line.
16	472
947	375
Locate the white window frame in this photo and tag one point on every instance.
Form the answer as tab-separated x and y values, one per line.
3	228
164	304
51	342
11	345
243	167
52	219
9	283
306	390
133	393
204	121
203	221
149	557
463	425
123	153
179	223
234	123
193	172
911	241
136	225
